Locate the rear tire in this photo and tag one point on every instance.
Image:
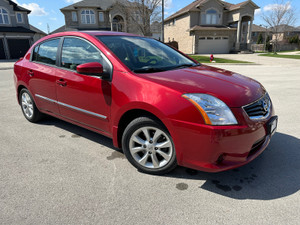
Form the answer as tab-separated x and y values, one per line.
149	147
29	109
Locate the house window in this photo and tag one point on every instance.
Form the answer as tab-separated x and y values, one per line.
87	17
19	17
101	17
74	16
212	17
3	16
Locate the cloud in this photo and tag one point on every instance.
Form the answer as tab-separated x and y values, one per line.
35	9
72	1
40	23
257	12
53	18
168	4
271	7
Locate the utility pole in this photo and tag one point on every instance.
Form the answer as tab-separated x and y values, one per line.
163	20
48	28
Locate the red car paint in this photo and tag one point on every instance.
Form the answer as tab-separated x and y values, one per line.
199	146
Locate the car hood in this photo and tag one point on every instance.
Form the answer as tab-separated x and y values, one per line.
232	88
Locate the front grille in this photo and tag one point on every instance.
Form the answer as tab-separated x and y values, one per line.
259	109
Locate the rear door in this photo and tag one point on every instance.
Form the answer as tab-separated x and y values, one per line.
83	98
41	72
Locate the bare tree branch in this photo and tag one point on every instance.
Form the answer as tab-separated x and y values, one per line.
279	18
141	13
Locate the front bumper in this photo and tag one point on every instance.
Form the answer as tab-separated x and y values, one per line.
219	148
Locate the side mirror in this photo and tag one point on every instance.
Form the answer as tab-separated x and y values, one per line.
92	68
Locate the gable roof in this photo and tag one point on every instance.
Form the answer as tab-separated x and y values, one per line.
102	4
194	6
16	7
256	28
36	30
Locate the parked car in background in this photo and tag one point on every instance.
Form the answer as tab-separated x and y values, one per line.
157	104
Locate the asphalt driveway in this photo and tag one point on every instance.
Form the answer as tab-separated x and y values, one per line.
57	173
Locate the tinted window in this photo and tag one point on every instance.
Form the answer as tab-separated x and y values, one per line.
76	51
46	53
144	55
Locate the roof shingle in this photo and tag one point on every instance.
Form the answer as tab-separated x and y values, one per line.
197	3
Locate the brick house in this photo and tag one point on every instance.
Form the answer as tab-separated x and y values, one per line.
16	34
212	26
110	15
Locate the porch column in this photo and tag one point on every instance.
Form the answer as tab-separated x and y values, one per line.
111	22
249	35
5	46
238	35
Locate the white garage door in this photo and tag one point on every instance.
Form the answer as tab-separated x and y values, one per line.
213	45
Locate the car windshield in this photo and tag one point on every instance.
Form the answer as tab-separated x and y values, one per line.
145	55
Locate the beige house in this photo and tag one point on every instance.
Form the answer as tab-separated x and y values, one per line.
110	15
212	26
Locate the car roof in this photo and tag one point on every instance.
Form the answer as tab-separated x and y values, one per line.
84	34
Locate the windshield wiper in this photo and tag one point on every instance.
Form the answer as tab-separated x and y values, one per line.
186	65
149	70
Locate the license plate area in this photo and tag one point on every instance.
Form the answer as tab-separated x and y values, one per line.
272	125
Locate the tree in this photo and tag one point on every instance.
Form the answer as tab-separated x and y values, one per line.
259	39
279	18
141	13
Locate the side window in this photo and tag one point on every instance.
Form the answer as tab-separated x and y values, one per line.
46	52
76	51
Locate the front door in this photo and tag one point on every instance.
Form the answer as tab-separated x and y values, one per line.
82	98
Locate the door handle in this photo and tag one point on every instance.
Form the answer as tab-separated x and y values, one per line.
61	82
30	73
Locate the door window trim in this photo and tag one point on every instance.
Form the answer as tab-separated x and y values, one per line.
59	55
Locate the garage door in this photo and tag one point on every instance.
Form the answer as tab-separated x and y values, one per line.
213	45
18	47
2	53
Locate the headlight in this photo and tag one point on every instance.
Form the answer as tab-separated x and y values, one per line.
213	110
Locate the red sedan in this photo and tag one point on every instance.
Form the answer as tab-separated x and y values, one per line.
157	104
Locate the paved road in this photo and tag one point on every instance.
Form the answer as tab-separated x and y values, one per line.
57	173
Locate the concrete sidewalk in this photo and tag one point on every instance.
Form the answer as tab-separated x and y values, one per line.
260	60
7	64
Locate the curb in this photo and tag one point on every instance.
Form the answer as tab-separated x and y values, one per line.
6	68
233	64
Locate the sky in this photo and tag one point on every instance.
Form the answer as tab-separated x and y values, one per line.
45	12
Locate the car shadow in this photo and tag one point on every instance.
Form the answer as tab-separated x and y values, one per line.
78	131
274	174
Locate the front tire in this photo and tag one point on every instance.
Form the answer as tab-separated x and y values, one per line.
149	147
29	109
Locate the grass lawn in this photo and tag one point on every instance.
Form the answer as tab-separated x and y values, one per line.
205	59
288	51
281	56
